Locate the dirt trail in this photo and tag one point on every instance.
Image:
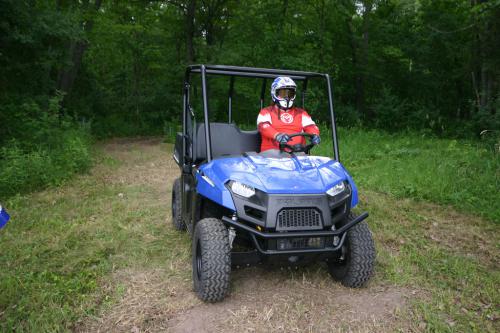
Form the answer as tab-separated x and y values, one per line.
262	299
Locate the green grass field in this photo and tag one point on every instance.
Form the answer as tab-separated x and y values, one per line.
99	252
463	174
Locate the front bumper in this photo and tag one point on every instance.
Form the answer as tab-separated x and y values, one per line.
256	236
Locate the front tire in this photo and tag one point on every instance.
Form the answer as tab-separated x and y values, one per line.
355	266
211	260
177	206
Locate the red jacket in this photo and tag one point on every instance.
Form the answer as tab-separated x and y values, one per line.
294	120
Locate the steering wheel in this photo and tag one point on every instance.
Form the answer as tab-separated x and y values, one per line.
298	148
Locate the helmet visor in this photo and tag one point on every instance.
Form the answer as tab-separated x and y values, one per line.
286	93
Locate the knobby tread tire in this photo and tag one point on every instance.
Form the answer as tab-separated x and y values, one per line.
211	284
358	267
177	206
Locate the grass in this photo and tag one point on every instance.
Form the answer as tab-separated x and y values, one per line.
62	243
98	247
23	170
463	174
451	258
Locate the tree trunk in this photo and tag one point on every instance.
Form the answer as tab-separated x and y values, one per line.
485	45
214	26
321	14
359	54
280	38
190	15
66	77
354	58
363	58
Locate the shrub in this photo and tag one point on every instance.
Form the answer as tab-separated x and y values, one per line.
42	147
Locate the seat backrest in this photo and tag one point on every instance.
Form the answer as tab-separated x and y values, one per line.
227	139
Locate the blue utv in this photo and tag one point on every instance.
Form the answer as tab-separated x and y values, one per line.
242	207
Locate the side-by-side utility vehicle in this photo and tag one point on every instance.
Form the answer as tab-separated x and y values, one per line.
242	207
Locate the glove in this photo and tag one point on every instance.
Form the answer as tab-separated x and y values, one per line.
282	138
316	139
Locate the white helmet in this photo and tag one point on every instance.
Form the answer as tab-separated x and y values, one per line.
283	92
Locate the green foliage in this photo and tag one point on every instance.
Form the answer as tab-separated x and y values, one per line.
347	116
44	148
400	64
22	171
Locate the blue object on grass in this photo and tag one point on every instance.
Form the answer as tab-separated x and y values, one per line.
4	217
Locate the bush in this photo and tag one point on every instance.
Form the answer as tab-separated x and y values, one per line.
116	125
347	116
22	171
41	148
394	114
390	111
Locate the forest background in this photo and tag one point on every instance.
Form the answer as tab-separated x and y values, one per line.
72	71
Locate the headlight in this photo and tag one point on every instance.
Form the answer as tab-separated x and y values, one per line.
337	189
241	189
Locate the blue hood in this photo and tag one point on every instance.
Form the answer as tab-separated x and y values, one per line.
296	175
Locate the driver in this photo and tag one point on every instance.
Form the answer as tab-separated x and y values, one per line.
277	121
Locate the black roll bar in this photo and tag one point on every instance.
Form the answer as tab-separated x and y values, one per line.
245	74
304	88
332	116
230	100
208	135
185	102
253	71
262	93
264	73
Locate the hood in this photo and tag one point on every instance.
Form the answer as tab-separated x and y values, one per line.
294	175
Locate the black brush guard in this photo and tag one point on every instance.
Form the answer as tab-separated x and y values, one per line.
254	233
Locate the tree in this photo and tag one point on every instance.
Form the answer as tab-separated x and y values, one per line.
67	75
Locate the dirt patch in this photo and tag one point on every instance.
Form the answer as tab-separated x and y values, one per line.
307	299
123	144
278	305
262	300
145	161
464	234
145	301
468	235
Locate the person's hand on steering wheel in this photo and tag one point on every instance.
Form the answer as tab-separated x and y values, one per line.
315	139
297	148
282	138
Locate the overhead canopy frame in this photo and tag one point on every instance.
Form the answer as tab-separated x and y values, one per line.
250	72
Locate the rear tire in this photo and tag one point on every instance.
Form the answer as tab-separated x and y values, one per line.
211	260
355	267
177	206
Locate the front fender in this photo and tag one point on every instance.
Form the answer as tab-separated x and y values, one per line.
214	190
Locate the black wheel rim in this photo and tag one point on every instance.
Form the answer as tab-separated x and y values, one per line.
199	263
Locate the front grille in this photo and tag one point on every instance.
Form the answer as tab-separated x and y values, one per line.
299	219
300	243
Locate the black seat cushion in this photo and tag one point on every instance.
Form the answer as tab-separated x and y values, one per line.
227	139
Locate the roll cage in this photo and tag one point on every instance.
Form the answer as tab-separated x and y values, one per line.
247	72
